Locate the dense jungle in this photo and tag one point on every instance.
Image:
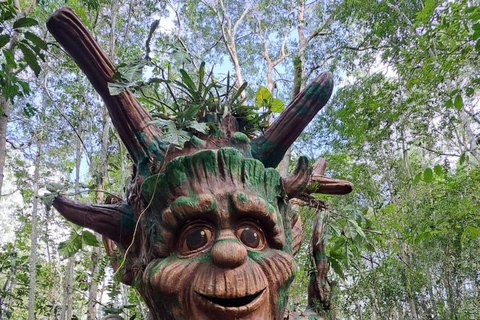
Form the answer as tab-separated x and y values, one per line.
403	125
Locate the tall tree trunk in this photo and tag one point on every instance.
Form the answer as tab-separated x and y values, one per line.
33	235
4	113
66	311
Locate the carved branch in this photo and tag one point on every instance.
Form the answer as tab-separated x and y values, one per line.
320	184
108	220
271	147
128	117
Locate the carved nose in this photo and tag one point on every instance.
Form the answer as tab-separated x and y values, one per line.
228	253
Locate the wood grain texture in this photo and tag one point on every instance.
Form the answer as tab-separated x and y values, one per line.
129	118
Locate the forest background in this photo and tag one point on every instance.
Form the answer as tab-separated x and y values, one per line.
403	125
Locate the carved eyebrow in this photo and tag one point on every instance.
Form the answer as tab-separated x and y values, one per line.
254	206
184	208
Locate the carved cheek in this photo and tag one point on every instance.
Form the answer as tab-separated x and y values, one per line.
171	277
278	267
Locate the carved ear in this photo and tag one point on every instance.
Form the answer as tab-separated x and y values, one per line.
271	147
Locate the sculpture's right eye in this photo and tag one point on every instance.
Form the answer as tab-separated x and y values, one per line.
196	238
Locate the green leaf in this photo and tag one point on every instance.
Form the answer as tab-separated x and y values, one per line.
4	39
262	97
48	199
477	45
277	105
55	187
337	267
417	178
187	80
191	112
428	175
172	135
9	58
198	126
30	58
68	248
438	169
24	22
36	40
458	103
462	159
353	229
133	71
89	239
115	88
476	35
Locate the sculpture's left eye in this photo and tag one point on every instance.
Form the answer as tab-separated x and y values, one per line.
251	236
196	238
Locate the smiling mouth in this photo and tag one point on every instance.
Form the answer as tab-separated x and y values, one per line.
232	302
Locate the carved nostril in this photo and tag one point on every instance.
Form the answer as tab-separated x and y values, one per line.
228	253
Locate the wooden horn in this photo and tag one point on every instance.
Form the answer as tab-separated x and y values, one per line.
130	119
271	147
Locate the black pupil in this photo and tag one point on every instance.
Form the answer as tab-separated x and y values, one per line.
250	238
196	239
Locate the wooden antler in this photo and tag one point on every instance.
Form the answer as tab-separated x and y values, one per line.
128	117
271	147
320	184
108	220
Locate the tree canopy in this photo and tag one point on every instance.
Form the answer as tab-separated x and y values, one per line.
403	126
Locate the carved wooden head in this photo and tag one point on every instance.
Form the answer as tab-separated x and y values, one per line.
221	237
207	232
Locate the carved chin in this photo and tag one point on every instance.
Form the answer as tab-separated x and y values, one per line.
231	294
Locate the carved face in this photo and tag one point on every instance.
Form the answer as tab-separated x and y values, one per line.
220	239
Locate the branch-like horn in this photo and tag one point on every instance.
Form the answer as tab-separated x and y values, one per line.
271	147
111	221
129	118
320	184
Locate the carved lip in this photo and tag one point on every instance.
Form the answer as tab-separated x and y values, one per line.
240	305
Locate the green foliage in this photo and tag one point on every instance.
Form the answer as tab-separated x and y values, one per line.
196	100
78	239
16	32
264	99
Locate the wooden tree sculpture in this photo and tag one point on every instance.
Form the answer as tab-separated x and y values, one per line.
208	231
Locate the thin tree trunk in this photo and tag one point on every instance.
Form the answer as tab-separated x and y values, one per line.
33	235
66	311
4	113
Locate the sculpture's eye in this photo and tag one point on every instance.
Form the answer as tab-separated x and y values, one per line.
196	238
251	236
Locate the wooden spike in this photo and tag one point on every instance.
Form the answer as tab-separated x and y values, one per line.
271	147
320	184
108	220
129	118
296	182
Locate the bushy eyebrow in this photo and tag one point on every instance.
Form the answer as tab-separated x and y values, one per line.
255	207
185	208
